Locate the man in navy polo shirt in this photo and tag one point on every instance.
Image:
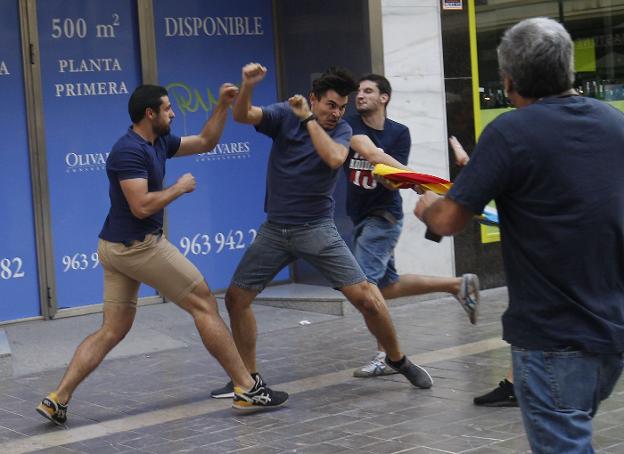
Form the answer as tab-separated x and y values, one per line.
555	167
310	144
133	250
377	211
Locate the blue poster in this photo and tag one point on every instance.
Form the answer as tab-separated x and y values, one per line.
200	45
19	292
90	65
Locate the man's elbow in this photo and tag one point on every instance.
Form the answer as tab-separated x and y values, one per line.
238	117
241	116
336	162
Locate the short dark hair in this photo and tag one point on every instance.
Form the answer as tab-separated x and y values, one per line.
145	96
538	55
338	79
382	83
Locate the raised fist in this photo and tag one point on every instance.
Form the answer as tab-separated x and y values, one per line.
299	106
253	73
227	93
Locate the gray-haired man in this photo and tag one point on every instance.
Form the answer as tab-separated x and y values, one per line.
555	167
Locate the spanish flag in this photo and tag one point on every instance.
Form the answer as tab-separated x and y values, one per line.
407	179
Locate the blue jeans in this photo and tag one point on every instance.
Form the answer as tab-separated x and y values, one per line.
559	393
374	240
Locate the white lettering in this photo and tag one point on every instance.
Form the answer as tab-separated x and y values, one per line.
85	160
226	150
4	71
89	65
211	26
360	164
91	89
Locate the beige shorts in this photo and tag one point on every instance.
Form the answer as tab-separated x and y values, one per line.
153	261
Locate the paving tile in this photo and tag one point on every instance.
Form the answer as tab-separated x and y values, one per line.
383	414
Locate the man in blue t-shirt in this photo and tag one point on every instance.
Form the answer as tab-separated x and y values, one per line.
377	210
310	144
555	167
133	250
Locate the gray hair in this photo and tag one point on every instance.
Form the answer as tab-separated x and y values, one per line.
537	55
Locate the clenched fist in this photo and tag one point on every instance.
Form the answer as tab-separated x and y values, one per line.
299	106
187	182
227	93
253	73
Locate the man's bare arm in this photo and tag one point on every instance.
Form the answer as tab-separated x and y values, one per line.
442	215
143	203
331	152
211	133
366	148
461	157
244	111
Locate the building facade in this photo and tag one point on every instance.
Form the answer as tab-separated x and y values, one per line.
67	68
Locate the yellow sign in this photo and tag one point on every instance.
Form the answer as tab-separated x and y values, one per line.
585	55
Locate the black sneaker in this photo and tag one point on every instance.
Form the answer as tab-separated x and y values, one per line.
416	375
50	408
227	391
258	398
502	396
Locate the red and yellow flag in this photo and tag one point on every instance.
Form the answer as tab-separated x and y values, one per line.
403	179
407	179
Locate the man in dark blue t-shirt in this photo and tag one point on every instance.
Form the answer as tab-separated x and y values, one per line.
133	250
377	210
310	144
555	167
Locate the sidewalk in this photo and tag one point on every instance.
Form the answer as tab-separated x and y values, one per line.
151	395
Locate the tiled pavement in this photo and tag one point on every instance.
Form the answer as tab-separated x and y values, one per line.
158	402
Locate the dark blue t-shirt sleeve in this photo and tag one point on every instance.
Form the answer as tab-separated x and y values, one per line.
402	146
128	163
172	145
272	117
487	173
342	134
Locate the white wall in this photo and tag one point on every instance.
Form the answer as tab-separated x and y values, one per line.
412	44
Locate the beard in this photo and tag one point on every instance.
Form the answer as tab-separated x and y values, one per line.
161	129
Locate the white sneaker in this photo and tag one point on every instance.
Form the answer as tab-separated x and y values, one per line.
468	296
375	368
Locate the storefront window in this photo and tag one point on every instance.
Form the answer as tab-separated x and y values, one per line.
596	26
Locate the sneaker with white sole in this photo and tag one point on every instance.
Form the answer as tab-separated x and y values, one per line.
468	296
375	368
260	397
414	373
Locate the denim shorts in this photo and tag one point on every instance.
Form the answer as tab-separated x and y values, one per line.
277	245
374	240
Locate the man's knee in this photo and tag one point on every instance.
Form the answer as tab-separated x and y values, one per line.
112	335
203	292
237	299
200	301
364	297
